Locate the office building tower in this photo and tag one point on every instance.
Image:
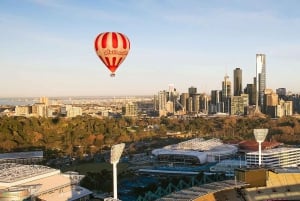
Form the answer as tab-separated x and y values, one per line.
192	91
226	88
155	103
216	96
170	107
173	97
189	104
250	90
238	104
237	82
204	99
271	103
260	80
184	100
226	94
196	103
162	102
216	104
281	92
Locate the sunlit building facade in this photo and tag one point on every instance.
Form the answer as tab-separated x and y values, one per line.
260	79
278	157
226	94
237	82
35	182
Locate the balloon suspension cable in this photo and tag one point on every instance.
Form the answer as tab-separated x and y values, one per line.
112	75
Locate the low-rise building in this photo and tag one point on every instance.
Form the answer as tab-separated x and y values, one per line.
35	182
279	157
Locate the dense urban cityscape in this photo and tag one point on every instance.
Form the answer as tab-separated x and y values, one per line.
210	156
231	99
149	100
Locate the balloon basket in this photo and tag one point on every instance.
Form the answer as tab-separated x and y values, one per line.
112	75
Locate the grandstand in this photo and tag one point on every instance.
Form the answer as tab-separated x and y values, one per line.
254	185
21	182
203	192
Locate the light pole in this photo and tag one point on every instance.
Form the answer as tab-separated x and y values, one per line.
260	136
115	154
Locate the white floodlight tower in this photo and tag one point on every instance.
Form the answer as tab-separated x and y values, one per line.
115	154
260	136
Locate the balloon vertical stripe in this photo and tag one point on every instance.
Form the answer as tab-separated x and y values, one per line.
96	43
104	40
114	40
124	41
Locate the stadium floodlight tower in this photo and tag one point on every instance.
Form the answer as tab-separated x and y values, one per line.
115	154
260	136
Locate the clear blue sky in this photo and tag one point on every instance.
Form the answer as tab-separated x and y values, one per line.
47	46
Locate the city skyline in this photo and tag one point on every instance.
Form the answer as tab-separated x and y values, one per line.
47	46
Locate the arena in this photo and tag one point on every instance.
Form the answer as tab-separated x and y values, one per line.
197	151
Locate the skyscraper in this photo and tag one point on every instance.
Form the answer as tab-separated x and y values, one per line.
162	102
260	80
192	91
226	88
237	82
226	93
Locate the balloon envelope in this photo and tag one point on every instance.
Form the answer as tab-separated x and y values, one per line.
112	48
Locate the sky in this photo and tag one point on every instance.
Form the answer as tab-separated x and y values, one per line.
47	46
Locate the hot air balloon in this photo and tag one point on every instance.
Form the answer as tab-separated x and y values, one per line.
112	48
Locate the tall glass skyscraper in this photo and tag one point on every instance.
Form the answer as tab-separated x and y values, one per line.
237	82
226	94
260	80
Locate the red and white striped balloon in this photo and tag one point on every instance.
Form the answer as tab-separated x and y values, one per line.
112	48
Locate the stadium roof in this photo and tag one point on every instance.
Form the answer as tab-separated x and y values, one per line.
198	191
13	174
198	147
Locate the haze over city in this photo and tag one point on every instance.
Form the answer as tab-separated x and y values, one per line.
47	46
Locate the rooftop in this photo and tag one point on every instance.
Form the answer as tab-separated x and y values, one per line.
198	191
12	174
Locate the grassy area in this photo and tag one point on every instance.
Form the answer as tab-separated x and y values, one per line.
83	168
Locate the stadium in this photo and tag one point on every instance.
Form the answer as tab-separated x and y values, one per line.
197	151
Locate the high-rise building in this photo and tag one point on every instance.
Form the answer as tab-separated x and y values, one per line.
238	104
237	82
204	99
216	104
271	103
260	80
226	88
192	91
196	103
251	91
281	91
162	102
184	100
173	96
226	94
